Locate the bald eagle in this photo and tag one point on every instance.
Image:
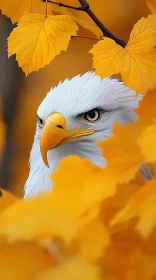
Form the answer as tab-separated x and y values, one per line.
71	118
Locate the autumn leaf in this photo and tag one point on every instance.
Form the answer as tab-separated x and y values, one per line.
136	62
17	8
151	5
121	143
147	143
89	245
142	206
74	268
23	261
147	107
78	194
28	220
39	38
80	17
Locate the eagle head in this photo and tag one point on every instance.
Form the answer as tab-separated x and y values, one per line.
71	118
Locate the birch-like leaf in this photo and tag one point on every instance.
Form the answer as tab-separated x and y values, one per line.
136	62
39	38
17	8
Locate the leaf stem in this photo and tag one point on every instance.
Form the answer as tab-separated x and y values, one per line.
46	8
85	8
84	37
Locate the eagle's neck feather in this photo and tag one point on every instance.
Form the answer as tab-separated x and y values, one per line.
39	176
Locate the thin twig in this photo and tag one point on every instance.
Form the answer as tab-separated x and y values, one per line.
64	5
84	37
85	8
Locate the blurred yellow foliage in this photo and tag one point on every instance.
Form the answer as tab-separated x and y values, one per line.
96	223
23	261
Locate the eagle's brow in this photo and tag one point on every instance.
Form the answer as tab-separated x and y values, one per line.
102	109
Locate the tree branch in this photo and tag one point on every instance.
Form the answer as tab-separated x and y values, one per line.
106	32
85	8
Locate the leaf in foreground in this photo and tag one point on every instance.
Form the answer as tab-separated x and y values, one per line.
39	38
74	268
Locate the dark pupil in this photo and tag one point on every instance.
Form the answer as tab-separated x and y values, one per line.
92	114
41	122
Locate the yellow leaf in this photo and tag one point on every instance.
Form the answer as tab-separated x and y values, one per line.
73	269
39	38
80	17
93	238
6	199
147	108
122	153
107	57
147	143
23	261
136	62
114	204
151	5
80	187
17	8
35	219
128	259
143	207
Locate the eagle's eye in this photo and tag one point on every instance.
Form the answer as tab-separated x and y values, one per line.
92	116
40	122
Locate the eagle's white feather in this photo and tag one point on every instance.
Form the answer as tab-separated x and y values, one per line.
72	98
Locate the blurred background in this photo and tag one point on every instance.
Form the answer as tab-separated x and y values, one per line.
21	96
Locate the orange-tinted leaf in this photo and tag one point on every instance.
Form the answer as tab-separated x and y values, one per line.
143	207
151	5
35	219
80	192
39	38
73	269
147	143
122	152
147	106
23	261
93	238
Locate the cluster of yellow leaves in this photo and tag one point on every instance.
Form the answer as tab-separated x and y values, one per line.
40	36
96	223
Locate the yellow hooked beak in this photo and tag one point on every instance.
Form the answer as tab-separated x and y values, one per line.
55	134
